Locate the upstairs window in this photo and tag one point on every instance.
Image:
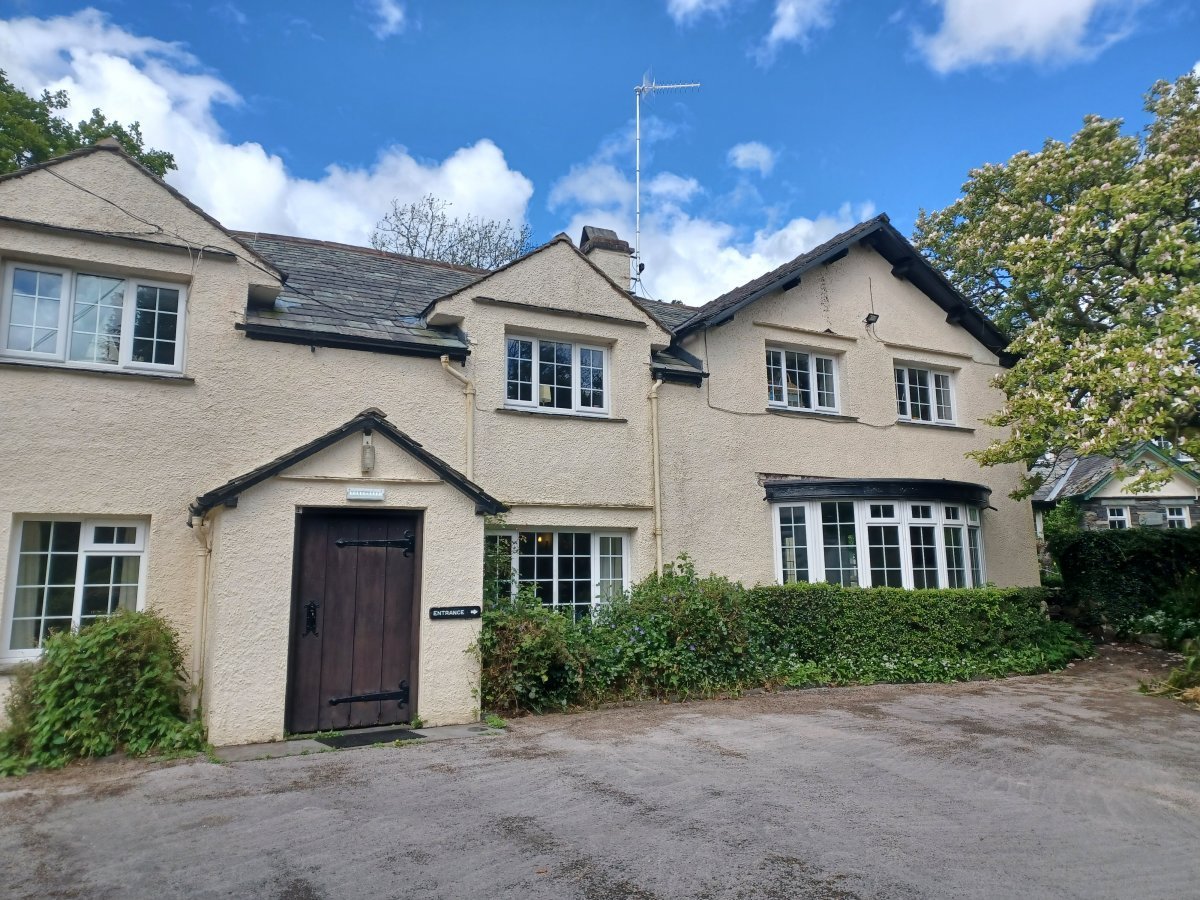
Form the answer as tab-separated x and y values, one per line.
556	376
801	381
1178	517
1118	517
90	321
924	395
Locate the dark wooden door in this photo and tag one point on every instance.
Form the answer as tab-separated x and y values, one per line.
352	620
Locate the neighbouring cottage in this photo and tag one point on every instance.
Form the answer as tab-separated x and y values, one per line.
1102	493
297	450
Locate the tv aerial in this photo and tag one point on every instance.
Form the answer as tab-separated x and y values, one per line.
647	89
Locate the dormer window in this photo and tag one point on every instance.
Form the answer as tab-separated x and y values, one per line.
556	376
86	320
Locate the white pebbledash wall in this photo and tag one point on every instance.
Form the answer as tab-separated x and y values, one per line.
83	444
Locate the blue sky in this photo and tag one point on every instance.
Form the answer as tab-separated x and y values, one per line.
309	117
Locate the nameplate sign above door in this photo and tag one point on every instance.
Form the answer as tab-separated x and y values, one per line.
455	612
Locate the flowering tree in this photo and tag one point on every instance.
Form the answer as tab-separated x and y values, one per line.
1088	254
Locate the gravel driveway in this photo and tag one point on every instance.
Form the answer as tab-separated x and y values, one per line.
1066	785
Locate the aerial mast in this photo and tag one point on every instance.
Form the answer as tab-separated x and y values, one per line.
645	89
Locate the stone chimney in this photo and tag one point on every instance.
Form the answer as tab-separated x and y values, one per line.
609	252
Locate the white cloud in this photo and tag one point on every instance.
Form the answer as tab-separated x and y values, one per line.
792	23
243	185
684	12
984	32
389	18
752	155
688	256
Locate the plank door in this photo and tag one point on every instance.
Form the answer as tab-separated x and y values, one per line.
352	621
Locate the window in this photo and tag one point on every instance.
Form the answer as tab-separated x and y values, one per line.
1178	517
91	321
1118	517
69	572
908	545
799	380
838	540
556	376
572	571
924	395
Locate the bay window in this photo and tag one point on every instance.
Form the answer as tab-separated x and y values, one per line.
556	376
572	571
800	380
67	573
924	395
87	320
908	544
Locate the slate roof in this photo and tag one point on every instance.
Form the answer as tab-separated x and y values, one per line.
712	310
1072	476
342	294
906	262
669	315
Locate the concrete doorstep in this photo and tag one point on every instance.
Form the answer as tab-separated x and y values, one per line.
306	744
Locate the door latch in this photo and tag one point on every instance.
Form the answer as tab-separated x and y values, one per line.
310	618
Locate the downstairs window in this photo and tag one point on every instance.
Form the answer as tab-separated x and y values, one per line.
879	543
573	571
68	573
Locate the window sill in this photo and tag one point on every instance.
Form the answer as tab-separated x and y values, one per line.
939	427
810	414
103	373
510	411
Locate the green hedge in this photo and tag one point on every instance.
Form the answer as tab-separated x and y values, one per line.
679	635
1117	575
118	684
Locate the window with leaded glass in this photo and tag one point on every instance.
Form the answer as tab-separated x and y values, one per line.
70	572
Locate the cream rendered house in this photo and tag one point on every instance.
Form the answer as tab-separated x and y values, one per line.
296	450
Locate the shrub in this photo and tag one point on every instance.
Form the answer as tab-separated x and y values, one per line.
1118	575
532	658
679	635
117	684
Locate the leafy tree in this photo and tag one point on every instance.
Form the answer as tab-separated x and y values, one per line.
1088	253
425	229
33	131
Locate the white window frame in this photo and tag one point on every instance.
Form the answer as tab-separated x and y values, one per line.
933	372
577	409
813	356
1184	518
87	547
969	518
61	354
1122	516
513	534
